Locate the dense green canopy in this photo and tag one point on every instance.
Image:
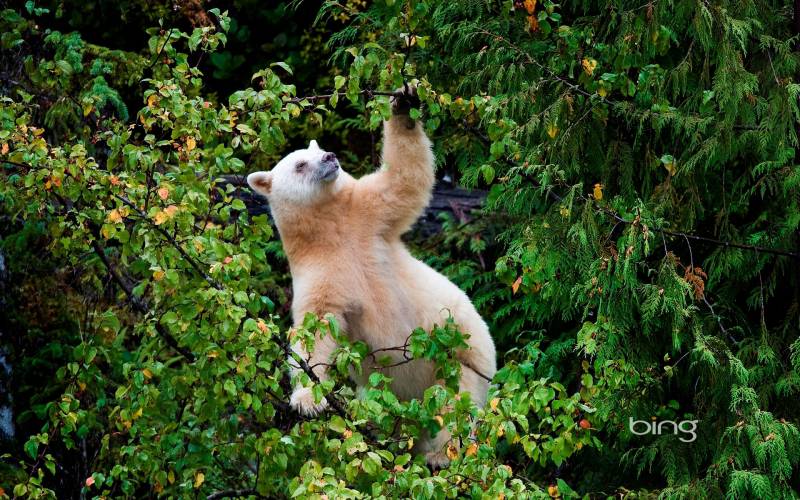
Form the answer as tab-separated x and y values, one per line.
637	256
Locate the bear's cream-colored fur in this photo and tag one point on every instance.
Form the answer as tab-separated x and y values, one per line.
342	239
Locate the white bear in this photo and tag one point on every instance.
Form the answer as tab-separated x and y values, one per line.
342	240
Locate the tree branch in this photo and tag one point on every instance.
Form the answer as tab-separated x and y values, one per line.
171	241
233	493
137	303
324	97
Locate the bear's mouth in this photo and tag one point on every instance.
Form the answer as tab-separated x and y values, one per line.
328	170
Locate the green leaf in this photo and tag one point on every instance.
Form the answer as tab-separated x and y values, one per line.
337	424
371	463
64	67
338	82
32	447
282	65
230	387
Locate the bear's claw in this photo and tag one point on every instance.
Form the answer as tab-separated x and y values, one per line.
405	98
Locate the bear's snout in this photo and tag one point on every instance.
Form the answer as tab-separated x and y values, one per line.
328	157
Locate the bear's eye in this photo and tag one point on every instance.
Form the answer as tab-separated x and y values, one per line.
300	166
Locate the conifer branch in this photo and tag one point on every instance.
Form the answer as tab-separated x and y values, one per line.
621	220
680	234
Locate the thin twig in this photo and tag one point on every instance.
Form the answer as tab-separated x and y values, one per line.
163	46
325	97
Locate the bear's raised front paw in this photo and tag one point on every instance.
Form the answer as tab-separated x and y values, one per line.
437	459
405	98
302	401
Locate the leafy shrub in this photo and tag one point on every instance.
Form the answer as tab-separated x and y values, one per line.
635	255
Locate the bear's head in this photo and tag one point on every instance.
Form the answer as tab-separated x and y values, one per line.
301	178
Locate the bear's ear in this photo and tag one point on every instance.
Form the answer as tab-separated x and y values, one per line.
260	182
313	146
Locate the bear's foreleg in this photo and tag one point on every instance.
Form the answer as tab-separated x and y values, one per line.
302	399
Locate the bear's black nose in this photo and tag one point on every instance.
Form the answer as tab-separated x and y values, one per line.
328	157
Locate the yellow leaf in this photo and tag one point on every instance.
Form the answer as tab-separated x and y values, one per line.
530	6
152	100
163	193
199	478
493	403
163	216
472	450
105	232
439	420
670	166
114	216
147	373
137	414
552	130
158	488
588	65
533	24
4	148
158	275
602	92
452	452
191	143
262	326
171	477
515	285
598	192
